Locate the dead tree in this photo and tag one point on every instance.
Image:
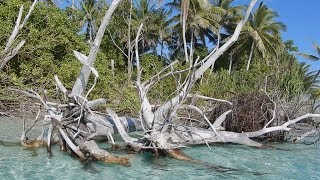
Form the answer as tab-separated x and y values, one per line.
9	52
160	130
77	125
74	122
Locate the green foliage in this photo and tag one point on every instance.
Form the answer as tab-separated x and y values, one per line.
52	34
50	39
223	85
160	92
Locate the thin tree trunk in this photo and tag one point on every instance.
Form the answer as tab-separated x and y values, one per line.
129	46
112	67
161	51
230	62
191	48
250	56
184	19
90	31
73	5
184	40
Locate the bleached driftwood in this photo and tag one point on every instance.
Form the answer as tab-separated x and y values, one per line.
160	129
74	121
77	125
158	123
9	52
82	80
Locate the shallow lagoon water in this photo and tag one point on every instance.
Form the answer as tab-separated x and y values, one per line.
297	162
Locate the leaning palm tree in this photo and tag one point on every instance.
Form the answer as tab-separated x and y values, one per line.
262	32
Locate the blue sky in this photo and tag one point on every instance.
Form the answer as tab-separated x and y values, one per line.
302	19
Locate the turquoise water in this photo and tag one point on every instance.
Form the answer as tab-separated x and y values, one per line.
297	162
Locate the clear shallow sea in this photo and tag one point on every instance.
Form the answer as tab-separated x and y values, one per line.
298	162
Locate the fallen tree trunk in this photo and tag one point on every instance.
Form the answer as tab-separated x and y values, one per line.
102	155
77	126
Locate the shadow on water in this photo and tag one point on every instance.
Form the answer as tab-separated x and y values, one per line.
160	164
223	169
88	167
34	152
270	147
156	163
10	144
215	167
163	164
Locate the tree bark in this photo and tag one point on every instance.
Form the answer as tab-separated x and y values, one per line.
161	51
230	62
6	56
250	56
185	8
129	68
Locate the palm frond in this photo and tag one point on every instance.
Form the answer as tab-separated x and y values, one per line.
317	47
308	56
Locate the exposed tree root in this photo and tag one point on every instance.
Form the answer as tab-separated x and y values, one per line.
34	144
121	160
178	154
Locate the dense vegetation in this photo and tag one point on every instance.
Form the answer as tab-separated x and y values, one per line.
261	58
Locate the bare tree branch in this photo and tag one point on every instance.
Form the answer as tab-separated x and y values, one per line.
282	127
208	98
204	117
7	56
217	123
82	80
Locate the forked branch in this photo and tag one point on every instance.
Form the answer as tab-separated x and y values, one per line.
9	52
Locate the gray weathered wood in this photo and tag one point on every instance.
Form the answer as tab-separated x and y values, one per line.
8	54
82	80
